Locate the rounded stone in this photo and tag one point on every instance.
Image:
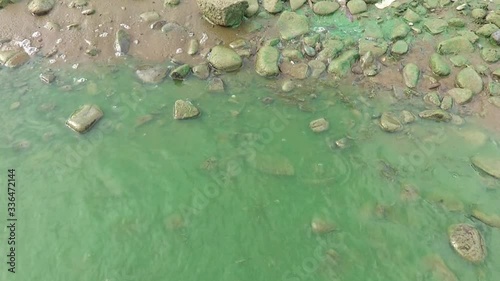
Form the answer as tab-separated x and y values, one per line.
469	79
225	59
41	7
324	8
467	242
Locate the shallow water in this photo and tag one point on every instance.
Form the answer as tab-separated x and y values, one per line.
128	201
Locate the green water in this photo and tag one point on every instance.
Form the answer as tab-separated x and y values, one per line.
127	202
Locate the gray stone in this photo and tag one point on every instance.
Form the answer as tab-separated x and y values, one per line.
490	55
216	85
296	4
225	59
455	45
489	219
324	8
185	110
435	26
400	47
342	65
319	125
297	70
180	72
292	54
389	122
122	42
411	74
171	26
17	59
266	62
201	71
84	118
460	96
495	37
467	242
193	47
157	25
439	66
223	12
288	86
488	164
291	25
152	74
88	12
356	6
41	7
469	79
436	115
317	68
150	16
273	6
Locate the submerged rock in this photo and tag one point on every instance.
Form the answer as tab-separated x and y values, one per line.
272	164
487	164
201	71
491	220
185	110
467	242
84	118
389	122
469	79
436	115
19	58
225	59
266	61
41	7
180	72
321	226
319	125
291	25
223	12
151	74
439	269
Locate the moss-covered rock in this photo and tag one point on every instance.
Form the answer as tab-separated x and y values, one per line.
225	59
455	45
291	25
439	65
266	62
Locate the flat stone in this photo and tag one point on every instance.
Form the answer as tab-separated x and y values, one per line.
490	55
324	8
296	4
469	79
223	12
495	37
342	65
18	59
378	48
291	25
486	30
84	118
432	98
150	16
459	60
319	125
447	103
469	35
467	242
412	16
406	117
151	74
216	85
460	96
390	123
317	68
456	22
185	110
266	62
122	42
225	59
436	115
400	31
455	45
297	70
41	7
488	219
167	3
435	26
193	47
411	74
488	164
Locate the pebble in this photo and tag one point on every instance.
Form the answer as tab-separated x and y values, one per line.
319	125
88	12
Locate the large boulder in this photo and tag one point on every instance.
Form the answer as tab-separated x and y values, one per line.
223	12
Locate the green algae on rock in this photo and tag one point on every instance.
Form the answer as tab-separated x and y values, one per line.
389	122
447	103
225	59
467	242
180	72
151	74
436	115
266	61
340	66
439	66
455	45
400	47
291	25
491	220
435	26
324	8
357	6
490	55
223	12
273	6
469	79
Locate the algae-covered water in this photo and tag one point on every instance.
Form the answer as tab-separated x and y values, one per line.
197	199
